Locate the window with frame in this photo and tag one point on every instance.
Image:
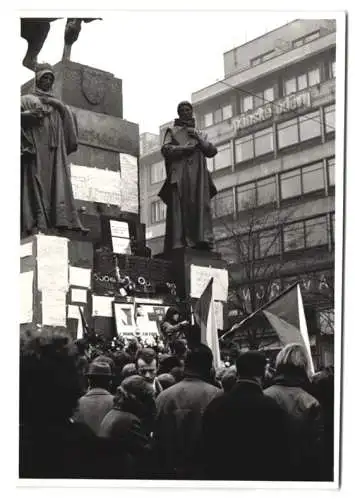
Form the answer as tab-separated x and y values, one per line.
312	36
332	69
301	82
293	236
264	97
158	211
244	148
309	126
264	141
331	171
227	112
332	227
223	158
223	203
208	119
316	232
157	172
217	115
269	243
298	129
246	196
313	177
290	183
247	103
329	119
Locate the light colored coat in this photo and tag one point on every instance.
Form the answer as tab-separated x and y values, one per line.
92	408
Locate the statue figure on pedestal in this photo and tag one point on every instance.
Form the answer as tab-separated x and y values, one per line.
48	135
188	188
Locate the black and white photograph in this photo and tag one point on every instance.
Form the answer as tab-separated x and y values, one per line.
181	265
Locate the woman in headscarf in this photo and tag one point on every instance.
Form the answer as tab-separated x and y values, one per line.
48	135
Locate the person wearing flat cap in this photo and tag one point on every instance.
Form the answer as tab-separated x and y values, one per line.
98	401
188	188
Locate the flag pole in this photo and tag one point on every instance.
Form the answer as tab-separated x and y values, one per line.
237	326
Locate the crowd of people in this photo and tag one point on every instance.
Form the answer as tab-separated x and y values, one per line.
136	413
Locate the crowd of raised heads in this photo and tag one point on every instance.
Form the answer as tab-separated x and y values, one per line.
134	412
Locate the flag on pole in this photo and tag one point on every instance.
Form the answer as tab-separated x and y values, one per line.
83	327
205	317
286	316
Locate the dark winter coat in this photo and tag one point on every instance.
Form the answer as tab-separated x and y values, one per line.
244	436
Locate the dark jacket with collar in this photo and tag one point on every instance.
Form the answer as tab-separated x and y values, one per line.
92	407
306	433
244	436
179	424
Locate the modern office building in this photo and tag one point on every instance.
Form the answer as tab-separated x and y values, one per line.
272	119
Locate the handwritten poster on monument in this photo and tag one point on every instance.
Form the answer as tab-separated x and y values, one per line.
129	179
96	184
52	262
201	275
54	308
26	297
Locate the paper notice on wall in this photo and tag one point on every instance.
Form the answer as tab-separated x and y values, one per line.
26	297
200	276
96	184
79	295
26	249
218	311
54	308
52	263
129	179
121	245
124	316
73	312
80	276
102	306
119	229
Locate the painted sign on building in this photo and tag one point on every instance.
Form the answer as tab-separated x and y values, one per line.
289	103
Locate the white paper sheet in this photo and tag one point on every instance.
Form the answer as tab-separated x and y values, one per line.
73	312
121	245
124	318
102	306
26	297
129	182
52	263
96	184
79	295
26	249
200	276
54	308
218	310
80	276
119	229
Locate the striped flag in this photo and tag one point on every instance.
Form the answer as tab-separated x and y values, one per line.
205	317
286	315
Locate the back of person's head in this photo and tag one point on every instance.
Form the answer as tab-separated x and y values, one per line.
178	373
132	347
180	348
105	359
128	370
229	379
147	354
293	360
168	363
135	395
166	380
49	381
99	374
199	360
251	364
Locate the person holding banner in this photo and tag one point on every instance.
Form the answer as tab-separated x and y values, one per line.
289	390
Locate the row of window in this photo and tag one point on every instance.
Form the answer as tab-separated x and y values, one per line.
275	189
300	181
308	233
290	132
254	100
299	129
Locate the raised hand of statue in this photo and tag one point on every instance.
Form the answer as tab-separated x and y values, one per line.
192	132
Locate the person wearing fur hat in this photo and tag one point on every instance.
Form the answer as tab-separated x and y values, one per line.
188	188
49	134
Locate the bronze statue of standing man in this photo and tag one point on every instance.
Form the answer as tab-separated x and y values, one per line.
188	188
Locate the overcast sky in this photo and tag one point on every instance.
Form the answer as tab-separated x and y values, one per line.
162	57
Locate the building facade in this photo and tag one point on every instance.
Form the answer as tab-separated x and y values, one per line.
272	119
